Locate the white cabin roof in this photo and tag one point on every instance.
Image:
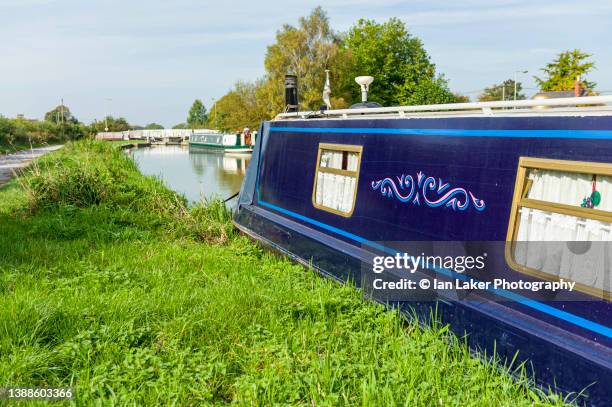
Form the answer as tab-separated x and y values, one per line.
575	106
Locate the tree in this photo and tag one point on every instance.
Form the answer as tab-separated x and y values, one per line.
459	98
306	51
180	126
114	124
197	117
242	106
400	65
60	114
428	91
402	69
561	74
502	91
153	126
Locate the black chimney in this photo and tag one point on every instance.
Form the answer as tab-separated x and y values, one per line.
291	93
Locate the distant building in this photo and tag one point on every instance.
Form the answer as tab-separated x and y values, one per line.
560	94
21	116
113	135
578	91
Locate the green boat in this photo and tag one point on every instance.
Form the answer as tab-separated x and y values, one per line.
213	140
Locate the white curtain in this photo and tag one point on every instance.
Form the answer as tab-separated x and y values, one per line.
352	162
336	191
569	188
333	159
555	249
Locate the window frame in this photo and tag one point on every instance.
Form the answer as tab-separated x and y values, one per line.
519	200
342	148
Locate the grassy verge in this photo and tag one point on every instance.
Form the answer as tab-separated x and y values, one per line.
110	284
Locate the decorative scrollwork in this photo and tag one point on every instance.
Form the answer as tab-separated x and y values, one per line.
407	190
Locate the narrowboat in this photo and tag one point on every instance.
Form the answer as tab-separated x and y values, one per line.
513	198
214	140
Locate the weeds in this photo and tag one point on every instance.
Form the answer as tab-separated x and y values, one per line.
89	174
212	221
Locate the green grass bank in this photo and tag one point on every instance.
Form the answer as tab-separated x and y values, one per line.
111	284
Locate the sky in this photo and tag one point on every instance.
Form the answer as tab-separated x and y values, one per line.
153	58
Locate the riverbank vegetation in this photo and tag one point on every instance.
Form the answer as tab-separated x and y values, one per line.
111	284
20	133
59	126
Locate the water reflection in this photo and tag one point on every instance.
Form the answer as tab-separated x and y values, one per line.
192	172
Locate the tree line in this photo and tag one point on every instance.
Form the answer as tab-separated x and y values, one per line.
19	133
559	75
403	70
59	125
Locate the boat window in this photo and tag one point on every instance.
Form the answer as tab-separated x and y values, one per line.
335	183
560	223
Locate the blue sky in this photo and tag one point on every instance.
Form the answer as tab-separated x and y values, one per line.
153	58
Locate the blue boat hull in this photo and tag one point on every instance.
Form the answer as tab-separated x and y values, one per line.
567	342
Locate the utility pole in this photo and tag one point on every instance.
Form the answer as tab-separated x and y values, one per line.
516	72
62	109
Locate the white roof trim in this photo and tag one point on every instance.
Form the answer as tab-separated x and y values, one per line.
483	108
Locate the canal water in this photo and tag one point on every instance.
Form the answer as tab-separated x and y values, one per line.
197	174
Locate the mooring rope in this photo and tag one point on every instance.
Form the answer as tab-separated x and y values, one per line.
232	197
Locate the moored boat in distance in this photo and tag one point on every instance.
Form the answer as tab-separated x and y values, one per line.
215	140
514	198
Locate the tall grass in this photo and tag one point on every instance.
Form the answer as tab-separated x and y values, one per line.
110	284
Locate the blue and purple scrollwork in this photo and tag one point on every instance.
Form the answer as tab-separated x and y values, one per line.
405	189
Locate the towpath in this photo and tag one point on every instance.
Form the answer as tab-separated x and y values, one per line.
9	163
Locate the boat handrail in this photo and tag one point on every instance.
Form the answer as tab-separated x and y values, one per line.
537	106
205	131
